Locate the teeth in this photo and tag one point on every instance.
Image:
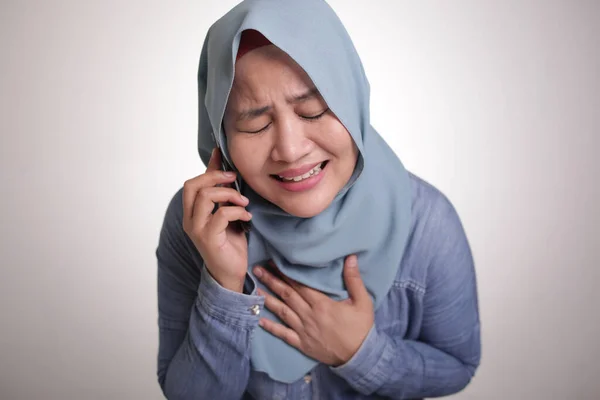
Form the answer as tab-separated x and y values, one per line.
314	171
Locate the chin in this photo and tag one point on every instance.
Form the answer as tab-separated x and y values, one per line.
305	211
304	208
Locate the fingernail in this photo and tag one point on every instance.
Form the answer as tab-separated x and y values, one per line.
245	198
229	174
353	261
258	272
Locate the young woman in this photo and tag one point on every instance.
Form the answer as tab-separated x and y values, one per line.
355	280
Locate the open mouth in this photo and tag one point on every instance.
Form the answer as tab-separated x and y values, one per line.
313	172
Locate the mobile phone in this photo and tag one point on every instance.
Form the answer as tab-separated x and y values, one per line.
244	226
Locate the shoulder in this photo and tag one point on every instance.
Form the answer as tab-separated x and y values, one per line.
176	252
436	235
175	206
172	225
427	200
431	210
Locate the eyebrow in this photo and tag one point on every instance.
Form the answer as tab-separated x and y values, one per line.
253	113
257	112
309	94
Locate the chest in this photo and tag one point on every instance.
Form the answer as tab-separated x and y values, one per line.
398	316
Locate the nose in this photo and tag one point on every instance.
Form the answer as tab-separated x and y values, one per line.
291	143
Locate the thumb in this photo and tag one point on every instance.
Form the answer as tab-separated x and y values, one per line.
354	284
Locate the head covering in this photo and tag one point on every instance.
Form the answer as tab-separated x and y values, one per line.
249	41
369	217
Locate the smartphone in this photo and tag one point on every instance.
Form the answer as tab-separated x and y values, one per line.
243	226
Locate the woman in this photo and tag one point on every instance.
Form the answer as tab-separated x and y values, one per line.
355	280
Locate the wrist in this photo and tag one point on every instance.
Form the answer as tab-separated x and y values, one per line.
351	349
230	283
233	284
343	357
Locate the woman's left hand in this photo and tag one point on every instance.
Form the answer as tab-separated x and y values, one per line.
326	330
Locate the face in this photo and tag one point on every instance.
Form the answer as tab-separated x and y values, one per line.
282	137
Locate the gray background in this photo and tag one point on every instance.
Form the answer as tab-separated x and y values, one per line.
495	103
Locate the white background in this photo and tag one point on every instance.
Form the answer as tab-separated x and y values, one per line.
495	103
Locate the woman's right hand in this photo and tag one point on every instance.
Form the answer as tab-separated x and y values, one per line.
223	248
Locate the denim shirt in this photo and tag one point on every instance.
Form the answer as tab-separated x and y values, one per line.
425	341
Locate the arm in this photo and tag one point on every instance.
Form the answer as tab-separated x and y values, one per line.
204	329
448	351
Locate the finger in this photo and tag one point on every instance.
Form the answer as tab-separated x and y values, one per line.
282	332
219	222
209	196
192	186
310	295
216	164
285	292
354	283
282	310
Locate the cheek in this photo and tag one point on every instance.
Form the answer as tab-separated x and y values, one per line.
246	155
337	141
235	152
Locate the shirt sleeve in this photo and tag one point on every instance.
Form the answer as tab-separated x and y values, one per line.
447	353
204	329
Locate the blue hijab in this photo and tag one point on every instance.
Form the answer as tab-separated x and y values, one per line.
370	216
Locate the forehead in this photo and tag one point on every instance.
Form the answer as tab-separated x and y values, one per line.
266	72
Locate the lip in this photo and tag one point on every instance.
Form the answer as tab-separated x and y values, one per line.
290	173
305	184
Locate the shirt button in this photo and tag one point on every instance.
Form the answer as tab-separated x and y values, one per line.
255	309
307	378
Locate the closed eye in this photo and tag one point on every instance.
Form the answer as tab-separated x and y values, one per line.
312	118
308	118
260	130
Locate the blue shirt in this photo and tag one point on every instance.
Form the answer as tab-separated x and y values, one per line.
425	341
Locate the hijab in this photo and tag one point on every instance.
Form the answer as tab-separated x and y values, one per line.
369	217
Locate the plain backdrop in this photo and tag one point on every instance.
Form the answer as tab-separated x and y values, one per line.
495	103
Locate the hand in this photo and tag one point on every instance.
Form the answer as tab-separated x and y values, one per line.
223	248
324	329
